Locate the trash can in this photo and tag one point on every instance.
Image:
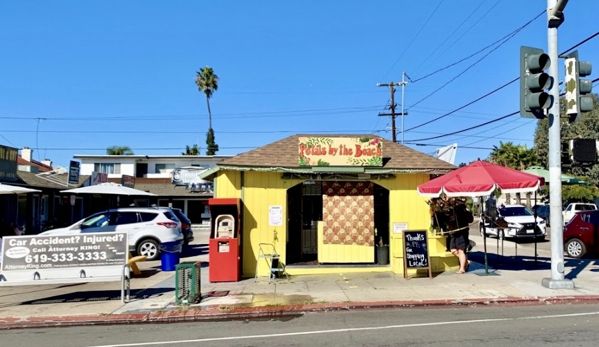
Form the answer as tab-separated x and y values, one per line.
170	255
382	254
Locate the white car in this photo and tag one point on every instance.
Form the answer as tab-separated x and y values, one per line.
520	224
574	207
147	228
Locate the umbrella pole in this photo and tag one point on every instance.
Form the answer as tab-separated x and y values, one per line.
484	236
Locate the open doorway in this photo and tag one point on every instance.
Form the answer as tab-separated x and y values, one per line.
304	206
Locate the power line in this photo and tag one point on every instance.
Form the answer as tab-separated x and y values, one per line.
291	113
335	131
470	128
505	85
414	38
471	27
464	71
464	106
450	35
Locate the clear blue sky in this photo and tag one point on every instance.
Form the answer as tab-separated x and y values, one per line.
78	77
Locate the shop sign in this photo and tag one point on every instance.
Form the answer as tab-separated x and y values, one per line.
8	163
340	151
128	181
49	258
73	172
188	176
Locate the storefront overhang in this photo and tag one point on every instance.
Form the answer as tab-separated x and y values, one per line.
374	172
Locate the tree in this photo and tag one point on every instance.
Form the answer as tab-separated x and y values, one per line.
194	150
119	150
207	82
212	146
513	156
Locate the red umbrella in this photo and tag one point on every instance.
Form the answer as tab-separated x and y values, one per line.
481	179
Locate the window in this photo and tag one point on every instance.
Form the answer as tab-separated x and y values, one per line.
164	168
126	218
107	168
148	216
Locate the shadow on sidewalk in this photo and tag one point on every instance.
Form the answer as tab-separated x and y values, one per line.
194	250
512	263
98	295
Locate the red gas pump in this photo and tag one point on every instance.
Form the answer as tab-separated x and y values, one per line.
225	241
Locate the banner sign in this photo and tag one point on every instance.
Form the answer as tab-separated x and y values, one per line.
8	163
74	172
340	151
185	176
40	258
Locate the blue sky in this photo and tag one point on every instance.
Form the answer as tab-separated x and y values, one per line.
78	77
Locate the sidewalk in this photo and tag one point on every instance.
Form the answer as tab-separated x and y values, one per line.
517	282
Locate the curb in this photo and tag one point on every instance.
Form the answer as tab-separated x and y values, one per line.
216	314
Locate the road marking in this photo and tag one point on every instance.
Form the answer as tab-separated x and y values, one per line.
334	331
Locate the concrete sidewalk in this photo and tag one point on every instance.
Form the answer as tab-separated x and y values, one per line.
510	281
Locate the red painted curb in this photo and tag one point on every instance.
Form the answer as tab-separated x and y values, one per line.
192	315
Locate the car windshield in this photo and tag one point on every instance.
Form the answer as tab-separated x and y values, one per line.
515	211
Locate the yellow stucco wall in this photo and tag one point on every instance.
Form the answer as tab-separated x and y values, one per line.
259	190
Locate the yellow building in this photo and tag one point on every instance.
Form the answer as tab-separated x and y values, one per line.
331	204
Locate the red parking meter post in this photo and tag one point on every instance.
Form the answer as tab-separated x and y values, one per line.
224	249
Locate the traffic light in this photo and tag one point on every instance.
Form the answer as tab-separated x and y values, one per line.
533	81
577	89
584	150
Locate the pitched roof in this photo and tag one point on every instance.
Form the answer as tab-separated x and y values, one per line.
36	180
169	189
41	166
284	153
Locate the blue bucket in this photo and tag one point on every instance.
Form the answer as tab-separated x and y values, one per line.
170	255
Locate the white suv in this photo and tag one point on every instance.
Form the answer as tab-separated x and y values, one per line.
147	228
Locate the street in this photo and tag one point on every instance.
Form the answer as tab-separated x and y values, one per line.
470	326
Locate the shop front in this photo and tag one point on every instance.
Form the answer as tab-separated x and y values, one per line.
331	204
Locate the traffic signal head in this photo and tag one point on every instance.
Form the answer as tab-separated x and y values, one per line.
584	150
577	89
533	82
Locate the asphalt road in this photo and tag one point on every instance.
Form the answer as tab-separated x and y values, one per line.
548	325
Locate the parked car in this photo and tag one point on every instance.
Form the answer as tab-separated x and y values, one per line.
515	221
146	227
185	224
581	234
575	207
543	211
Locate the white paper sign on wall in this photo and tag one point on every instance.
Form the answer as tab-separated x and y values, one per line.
275	215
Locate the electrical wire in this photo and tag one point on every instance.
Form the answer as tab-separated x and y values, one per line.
467	31
462	107
481	50
413	39
464	71
469	128
450	35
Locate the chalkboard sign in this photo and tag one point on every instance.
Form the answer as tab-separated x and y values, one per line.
415	251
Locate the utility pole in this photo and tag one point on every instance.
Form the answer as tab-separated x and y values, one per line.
392	107
555	17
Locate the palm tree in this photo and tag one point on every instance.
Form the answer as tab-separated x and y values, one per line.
207	82
194	150
119	150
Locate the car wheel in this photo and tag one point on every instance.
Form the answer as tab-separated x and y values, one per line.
575	248
148	248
